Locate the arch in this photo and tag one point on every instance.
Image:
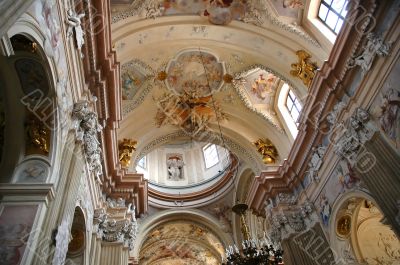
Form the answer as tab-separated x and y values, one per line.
28	27
346	247
78	246
197	216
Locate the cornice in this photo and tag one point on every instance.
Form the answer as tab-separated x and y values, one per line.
102	73
328	86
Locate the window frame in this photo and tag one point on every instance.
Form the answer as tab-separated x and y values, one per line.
331	9
294	105
209	145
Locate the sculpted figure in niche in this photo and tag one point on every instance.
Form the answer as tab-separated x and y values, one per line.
175	167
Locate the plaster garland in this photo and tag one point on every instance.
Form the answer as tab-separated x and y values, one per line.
86	129
357	130
123	230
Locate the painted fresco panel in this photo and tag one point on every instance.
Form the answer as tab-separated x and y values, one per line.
15	226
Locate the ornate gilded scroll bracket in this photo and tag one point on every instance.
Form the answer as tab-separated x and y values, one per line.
304	68
126	148
268	151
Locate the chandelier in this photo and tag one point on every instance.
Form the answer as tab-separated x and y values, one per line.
254	251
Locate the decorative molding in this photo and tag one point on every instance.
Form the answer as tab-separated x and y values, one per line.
353	134
208	136
62	240
374	46
86	129
316	162
333	116
237	83
293	220
126	147
116	223
328	83
268	150
304	68
256	14
136	8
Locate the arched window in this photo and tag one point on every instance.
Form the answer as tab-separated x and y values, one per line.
332	13
143	163
210	154
293	106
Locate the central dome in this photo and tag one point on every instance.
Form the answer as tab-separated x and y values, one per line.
186	170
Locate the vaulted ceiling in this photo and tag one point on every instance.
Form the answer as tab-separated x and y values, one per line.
246	39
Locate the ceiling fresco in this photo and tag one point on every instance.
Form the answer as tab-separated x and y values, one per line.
195	71
219	12
181	242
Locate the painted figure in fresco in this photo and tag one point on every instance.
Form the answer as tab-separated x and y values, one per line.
390	116
347	178
261	87
175	168
292	3
325	209
12	237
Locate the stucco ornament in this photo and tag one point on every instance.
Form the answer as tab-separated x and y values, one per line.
86	128
334	114
357	131
116	229
62	241
74	24
316	162
294	219
375	46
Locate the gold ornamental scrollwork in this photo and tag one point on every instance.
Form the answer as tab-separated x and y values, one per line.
268	150
304	68
38	137
126	148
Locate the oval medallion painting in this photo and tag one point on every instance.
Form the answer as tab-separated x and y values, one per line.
195	72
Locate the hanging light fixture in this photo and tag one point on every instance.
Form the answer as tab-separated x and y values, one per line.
254	251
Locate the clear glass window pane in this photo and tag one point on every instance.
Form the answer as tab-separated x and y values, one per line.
328	2
295	114
332	13
323	11
331	19
339	26
289	103
344	12
142	162
298	105
337	5
210	155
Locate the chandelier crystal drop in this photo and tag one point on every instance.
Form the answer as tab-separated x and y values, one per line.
254	251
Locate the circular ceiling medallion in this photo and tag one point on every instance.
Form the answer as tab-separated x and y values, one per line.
195	72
